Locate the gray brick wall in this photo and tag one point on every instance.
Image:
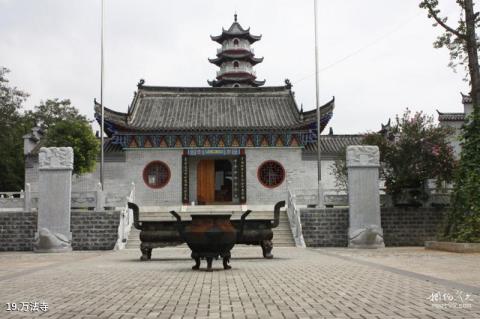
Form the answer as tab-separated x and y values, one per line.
17	230
410	226
401	226
325	228
94	231
90	230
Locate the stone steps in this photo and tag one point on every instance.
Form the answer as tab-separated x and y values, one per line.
282	235
133	241
166	216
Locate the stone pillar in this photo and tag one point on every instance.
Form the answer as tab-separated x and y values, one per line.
99	198
54	200
365	229
27	198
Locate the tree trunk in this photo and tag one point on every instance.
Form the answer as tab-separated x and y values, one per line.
472	50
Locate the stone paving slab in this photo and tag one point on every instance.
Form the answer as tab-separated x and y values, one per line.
462	268
298	283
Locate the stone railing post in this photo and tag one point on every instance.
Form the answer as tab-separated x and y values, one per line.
132	192
365	229
99	198
54	200
27	198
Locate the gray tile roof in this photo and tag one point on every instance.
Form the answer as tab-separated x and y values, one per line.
334	145
451	117
212	109
248	56
110	147
236	30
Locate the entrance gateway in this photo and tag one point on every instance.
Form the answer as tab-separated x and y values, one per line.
220	176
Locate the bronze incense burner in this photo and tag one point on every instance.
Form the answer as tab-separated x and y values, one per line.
209	236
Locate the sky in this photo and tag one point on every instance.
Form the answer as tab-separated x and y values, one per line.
375	56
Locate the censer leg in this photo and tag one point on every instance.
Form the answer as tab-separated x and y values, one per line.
226	260
197	263
146	252
267	247
209	263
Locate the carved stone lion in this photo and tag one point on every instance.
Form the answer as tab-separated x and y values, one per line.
368	237
47	241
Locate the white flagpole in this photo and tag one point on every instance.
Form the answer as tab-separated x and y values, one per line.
321	201
101	98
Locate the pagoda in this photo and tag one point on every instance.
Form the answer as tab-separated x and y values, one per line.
236	142
236	58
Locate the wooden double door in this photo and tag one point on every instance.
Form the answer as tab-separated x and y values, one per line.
214	181
206	182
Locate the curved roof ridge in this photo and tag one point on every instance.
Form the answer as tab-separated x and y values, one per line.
97	107
180	109
193	89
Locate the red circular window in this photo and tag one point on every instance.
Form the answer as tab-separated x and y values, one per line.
271	174
156	174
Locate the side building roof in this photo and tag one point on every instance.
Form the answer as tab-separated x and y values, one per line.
451	117
332	146
180	109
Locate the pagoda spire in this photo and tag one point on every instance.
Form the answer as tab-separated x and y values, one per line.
236	58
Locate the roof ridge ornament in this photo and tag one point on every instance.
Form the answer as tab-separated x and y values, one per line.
235	16
140	83
288	84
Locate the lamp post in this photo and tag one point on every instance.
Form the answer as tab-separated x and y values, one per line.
320	198
101	98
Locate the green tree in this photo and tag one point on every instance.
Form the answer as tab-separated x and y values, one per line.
462	222
461	40
412	151
12	128
51	111
78	135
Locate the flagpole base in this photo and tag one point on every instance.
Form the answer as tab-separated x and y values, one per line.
320	196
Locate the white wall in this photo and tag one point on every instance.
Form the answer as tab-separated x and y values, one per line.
302	174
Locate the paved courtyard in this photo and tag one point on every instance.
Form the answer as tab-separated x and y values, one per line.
298	283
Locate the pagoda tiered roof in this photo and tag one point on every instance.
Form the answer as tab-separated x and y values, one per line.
246	56
236	31
224	80
204	109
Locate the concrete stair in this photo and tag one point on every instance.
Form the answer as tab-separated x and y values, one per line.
282	235
133	241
